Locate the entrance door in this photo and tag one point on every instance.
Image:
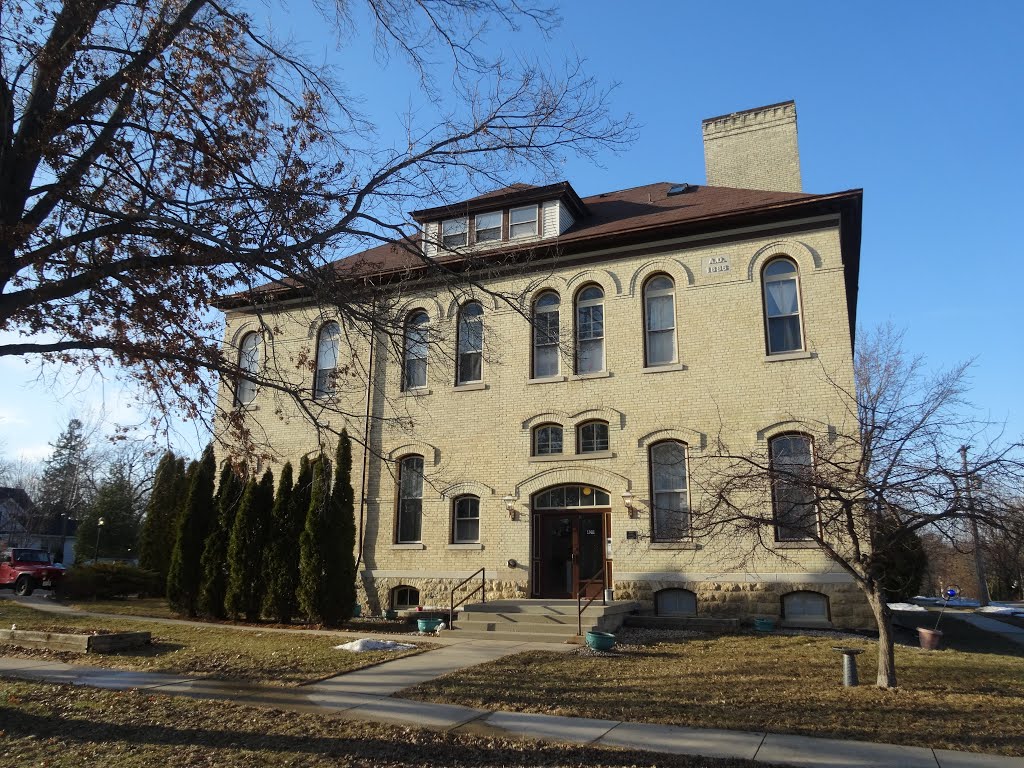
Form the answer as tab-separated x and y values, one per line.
569	554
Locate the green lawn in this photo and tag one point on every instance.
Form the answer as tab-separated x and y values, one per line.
55	725
216	650
776	683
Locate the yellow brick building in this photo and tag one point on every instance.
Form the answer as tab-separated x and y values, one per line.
539	413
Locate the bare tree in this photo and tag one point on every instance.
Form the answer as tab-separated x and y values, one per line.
156	154
857	493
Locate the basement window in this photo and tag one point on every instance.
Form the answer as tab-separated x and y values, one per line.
403	598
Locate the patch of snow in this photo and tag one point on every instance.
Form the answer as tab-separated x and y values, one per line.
924	599
1001	610
360	646
962	602
907	607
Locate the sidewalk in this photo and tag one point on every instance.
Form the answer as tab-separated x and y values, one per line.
365	695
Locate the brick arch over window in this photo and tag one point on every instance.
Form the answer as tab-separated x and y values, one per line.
805	258
489	303
613	482
251	326
467	488
677	270
600	277
431	454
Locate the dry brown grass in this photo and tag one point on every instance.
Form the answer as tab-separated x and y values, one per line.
780	684
55	725
277	658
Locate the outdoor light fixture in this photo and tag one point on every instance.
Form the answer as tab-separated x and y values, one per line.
510	506
96	552
627	499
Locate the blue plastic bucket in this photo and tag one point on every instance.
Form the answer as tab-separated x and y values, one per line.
600	641
764	625
428	625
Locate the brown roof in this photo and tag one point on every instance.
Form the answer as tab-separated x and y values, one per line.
623	217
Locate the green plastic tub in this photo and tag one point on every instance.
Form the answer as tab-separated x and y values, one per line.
600	641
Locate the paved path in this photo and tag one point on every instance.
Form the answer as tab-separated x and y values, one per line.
349	696
996	627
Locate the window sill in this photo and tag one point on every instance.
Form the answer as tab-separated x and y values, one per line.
473	386
796	544
410	545
417	392
788	356
550	457
473	545
595	455
595	375
664	368
679	545
546	380
248	408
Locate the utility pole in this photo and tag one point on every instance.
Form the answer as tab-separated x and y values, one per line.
979	566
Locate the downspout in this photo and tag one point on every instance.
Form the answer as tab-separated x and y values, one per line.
366	431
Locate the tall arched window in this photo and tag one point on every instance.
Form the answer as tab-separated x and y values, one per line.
592	437
326	360
410	500
793	493
466	520
547	440
590	330
415	363
545	335
471	343
660	320
782	307
248	363
670	514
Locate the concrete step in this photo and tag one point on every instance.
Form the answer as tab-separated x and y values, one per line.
550	608
536	628
514	637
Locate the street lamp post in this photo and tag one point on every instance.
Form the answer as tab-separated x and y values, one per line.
96	552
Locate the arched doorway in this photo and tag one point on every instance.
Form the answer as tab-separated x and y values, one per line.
571	527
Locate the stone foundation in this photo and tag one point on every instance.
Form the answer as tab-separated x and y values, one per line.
375	593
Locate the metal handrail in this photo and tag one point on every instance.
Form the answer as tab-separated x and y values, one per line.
482	589
579	600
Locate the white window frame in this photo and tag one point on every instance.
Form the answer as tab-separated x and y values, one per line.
547	342
477	229
248	363
654	293
515	227
581	442
324	385
766	279
422	331
455	232
465	509
589	304
683	531
464	344
536	439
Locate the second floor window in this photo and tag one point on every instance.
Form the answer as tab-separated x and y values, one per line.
782	307
547	440
592	437
590	330
410	500
248	363
471	343
414	368
660	321
545	335
326	361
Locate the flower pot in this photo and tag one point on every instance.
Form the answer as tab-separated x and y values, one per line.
764	625
930	639
390	613
428	625
600	641
357	611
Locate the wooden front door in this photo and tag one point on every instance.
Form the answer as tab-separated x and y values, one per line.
569	553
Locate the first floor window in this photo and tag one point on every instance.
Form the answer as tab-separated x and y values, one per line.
593	437
671	513
467	520
547	440
793	493
410	500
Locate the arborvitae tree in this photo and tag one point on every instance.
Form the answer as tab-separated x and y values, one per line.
194	523
282	557
339	541
311	555
115	505
158	528
214	564
246	577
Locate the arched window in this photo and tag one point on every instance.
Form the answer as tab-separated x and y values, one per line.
545	335
248	363
782	307
670	513
326	360
404	597
471	343
590	330
415	362
410	500
547	440
660	321
806	608
466	520
793	494
675	602
592	437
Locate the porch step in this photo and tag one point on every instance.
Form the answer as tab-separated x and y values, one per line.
697	623
540	621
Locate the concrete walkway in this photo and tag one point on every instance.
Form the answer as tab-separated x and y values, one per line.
363	695
996	627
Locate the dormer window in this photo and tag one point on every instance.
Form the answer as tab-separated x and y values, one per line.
488	227
455	232
522	222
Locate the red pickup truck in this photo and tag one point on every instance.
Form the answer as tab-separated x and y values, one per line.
28	569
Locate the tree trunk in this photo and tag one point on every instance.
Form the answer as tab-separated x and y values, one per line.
886	658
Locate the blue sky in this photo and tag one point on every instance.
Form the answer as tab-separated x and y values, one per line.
920	104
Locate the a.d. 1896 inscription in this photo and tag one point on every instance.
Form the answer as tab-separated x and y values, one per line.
716	265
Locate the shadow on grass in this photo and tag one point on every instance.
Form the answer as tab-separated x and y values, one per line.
957	635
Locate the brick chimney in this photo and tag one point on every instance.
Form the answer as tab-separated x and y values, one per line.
754	149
